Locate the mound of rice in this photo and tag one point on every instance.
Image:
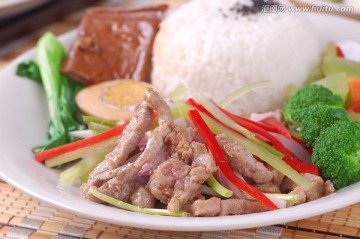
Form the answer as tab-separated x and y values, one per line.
213	51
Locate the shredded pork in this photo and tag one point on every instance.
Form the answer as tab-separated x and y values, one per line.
169	165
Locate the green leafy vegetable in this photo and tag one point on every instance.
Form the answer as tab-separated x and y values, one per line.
50	54
29	69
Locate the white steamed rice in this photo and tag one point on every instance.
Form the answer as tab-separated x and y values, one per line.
199	48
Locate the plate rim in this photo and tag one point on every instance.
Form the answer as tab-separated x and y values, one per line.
176	224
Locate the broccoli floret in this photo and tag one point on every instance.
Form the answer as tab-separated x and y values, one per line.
337	153
305	97
316	118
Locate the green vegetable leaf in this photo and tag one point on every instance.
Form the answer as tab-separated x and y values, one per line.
50	54
29	69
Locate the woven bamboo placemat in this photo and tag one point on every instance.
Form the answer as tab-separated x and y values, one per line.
22	216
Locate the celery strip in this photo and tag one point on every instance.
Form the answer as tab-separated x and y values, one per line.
83	168
81	152
290	197
178	93
129	207
273	160
243	90
97	127
223	118
206	190
109	123
218	188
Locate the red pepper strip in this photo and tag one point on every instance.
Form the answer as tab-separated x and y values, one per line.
289	157
259	124
268	127
84	143
220	159
252	126
280	128
339	52
198	106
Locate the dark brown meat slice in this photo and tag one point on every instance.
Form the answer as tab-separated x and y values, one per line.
128	141
141	197
240	206
242	160
206	208
114	43
187	188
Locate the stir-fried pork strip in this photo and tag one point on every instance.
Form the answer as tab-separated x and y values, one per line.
268	187
122	184
274	185
162	181
141	197
128	141
328	188
117	182
243	161
206	208
240	206
318	187
185	189
217	207
178	142
117	185
301	194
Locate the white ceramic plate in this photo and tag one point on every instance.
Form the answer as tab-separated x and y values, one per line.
23	122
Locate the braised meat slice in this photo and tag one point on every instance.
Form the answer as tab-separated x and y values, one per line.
114	43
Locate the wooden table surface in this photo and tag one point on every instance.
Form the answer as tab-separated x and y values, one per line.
22	216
